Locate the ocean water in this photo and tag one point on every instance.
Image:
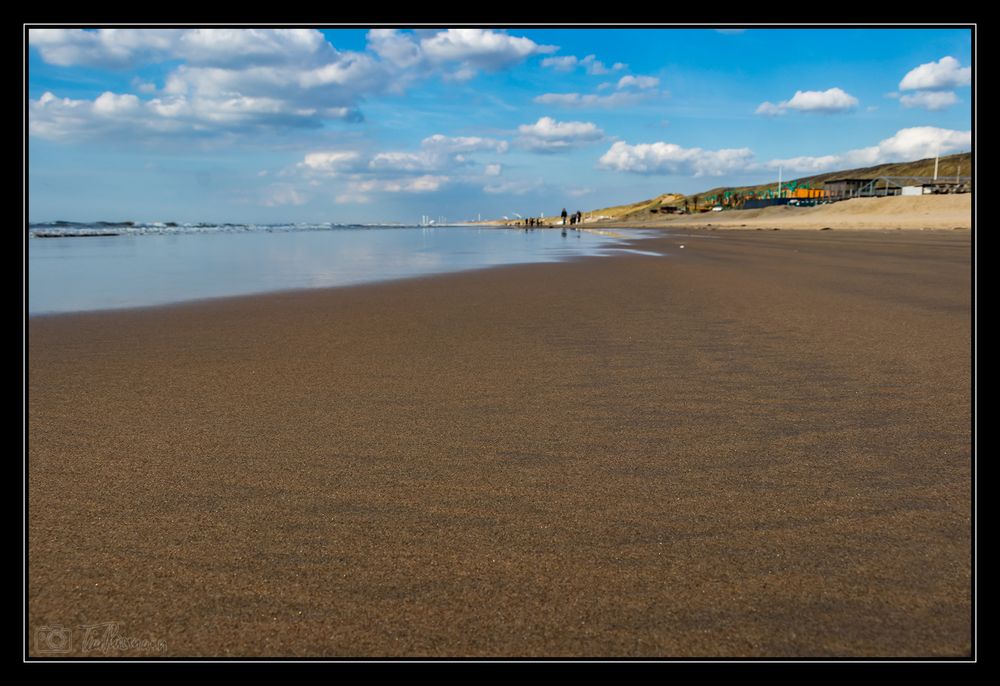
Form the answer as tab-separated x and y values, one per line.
126	265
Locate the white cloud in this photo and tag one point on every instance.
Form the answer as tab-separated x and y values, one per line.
592	65
480	48
669	158
109	104
458	144
331	161
549	135
629	91
437	153
929	100
426	183
597	68
769	109
103	47
946	73
197	100
421	184
562	63
393	46
110	114
406	161
919	142
638	82
825	102
352	176
830	100
242	80
932	83
130	47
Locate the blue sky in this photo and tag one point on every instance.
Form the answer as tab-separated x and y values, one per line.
349	125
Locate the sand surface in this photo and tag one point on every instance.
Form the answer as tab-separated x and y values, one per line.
916	212
758	445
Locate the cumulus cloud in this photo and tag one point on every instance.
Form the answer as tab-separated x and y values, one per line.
919	142
331	161
353	176
425	183
481	48
116	48
406	161
459	144
669	158
829	101
629	90
944	74
562	63
929	100
593	65
460	52
241	80
437	153
933	84
638	82
549	135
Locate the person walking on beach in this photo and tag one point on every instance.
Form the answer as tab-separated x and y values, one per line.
563	215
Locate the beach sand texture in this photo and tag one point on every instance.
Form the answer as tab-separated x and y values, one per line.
758	445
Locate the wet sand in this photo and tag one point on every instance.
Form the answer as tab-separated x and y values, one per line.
758	445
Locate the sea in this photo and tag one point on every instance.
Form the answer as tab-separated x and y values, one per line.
77	267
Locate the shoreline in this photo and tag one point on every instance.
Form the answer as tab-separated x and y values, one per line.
625	239
631	243
758	447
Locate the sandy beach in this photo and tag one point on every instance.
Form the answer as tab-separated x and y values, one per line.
756	445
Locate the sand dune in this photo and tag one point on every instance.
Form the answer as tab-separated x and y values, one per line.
920	212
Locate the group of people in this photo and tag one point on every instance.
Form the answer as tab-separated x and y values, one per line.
575	218
533	222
